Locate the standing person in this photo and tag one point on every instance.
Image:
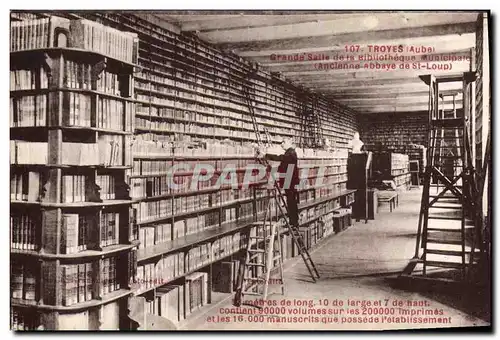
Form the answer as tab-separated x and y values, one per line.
288	162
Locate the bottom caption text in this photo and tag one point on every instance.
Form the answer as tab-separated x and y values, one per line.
336	311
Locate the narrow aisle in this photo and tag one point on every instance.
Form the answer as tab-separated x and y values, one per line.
354	266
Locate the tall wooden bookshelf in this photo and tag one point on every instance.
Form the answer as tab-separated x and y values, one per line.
73	236
392	166
190	110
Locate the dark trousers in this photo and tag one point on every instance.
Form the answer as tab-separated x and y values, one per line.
292	204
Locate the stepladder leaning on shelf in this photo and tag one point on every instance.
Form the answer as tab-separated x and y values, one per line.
288	174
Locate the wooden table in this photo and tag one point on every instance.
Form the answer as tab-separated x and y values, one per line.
391	197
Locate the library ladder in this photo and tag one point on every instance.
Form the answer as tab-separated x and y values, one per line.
448	237
281	216
263	254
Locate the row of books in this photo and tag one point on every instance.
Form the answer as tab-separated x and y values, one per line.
110	113
402	180
180	99
114	114
201	113
330	189
151	144
149	211
83	153
152	187
175	265
23	319
22	152
196	292
114	150
107	185
107	152
76	231
305	196
399	161
23	281
151	167
177	302
79	75
165	207
23	229
275	96
79	232
191	117
160	272
176	168
318	210
28	111
73	188
323	192
35	33
225	276
314	182
164	232
25	186
29	79
194	128
110	228
77	283
313	232
92	36
110	275
83	34
79	110
168	303
185	78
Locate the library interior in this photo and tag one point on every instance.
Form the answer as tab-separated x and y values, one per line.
180	128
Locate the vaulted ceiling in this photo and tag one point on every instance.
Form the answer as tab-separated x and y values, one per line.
296	44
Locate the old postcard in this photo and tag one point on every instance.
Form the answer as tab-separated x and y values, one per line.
250	170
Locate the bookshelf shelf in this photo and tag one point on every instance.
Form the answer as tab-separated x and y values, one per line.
26	92
110	297
80	53
197	134
69	166
165	281
188	158
72	119
308	205
189	240
87	254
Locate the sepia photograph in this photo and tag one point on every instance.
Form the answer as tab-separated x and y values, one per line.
250	170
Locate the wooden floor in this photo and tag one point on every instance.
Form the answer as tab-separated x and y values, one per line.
357	266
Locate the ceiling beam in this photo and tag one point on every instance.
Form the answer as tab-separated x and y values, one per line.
339	82
395	108
447	103
348	95
340	25
369	85
211	23
421	99
349	38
